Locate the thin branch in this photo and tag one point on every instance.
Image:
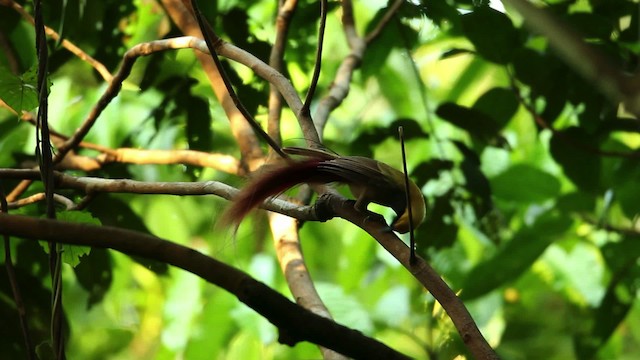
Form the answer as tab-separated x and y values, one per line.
45	159
92	185
222	162
286	242
19	190
286	10
114	87
68	204
340	85
98	66
318	64
370	37
342	81
294	323
279	81
212	40
251	153
421	270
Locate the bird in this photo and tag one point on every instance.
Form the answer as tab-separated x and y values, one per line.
369	180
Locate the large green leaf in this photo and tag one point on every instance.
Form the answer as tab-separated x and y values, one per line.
492	34
515	257
19	92
498	103
525	183
475	122
574	151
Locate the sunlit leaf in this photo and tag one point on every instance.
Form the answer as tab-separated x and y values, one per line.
524	183
18	92
71	254
515	257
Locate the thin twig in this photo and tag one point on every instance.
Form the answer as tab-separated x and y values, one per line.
318	65
212	40
98	66
93	185
43	151
370	37
68	204
286	10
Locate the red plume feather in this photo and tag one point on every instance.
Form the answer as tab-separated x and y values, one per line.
270	182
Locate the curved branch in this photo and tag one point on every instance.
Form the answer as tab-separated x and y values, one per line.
294	323
420	269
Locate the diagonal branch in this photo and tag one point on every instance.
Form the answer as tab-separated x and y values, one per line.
294	323
421	270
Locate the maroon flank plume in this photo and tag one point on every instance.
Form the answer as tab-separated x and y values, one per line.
272	182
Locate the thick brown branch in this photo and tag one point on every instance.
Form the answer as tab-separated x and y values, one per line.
294	323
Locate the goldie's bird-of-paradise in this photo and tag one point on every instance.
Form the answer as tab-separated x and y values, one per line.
370	181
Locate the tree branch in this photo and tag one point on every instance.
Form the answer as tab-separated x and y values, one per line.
294	323
421	270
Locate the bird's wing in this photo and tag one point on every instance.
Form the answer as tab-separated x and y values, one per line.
311	153
360	170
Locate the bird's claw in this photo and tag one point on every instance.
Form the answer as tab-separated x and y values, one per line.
377	218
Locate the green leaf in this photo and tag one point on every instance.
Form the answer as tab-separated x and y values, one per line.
430	170
19	92
571	149
71	254
95	274
479	125
621	258
492	34
439	230
498	103
576	202
476	181
515	257
526	184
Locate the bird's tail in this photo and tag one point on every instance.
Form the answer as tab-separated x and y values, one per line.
271	182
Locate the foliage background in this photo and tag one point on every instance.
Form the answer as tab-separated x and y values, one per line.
531	175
